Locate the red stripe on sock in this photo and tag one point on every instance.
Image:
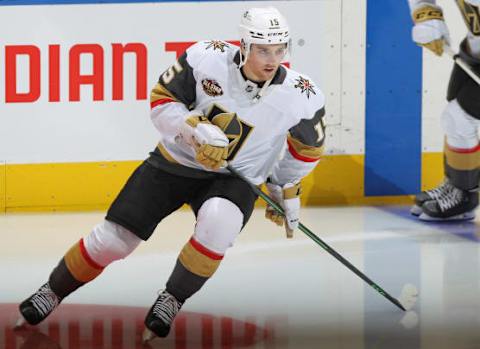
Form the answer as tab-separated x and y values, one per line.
464	150
205	251
85	255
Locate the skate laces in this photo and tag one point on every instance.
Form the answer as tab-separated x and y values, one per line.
450	199
44	300
166	307
441	190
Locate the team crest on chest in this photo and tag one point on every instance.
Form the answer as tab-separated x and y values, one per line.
217	45
212	88
236	130
305	86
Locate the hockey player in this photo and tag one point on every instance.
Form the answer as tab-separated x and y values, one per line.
216	104
457	197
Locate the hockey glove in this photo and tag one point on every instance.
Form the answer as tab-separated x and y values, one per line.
288	197
208	141
430	30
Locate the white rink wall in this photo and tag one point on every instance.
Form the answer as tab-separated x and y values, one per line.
41	131
328	45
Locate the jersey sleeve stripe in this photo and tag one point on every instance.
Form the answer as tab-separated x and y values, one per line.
160	102
303	152
161	95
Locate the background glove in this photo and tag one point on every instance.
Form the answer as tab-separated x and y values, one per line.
208	141
288	197
430	30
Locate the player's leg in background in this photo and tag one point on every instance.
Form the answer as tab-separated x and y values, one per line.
457	197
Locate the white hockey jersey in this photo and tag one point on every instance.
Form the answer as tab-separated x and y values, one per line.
206	80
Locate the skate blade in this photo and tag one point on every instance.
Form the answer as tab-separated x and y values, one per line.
147	336
21	322
416	210
461	217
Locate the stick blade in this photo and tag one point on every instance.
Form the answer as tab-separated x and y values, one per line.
147	336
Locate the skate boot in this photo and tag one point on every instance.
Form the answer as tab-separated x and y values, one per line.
161	315
429	195
38	306
458	204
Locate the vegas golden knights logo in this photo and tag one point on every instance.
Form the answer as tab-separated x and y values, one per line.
471	15
217	45
236	130
305	86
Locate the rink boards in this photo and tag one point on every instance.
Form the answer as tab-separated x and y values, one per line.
74	111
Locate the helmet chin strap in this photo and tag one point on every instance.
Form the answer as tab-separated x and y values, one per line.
262	91
243	57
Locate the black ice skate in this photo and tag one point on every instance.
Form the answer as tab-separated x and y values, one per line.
38	306
456	205
161	315
428	195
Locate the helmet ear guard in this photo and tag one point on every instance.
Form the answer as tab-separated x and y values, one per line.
265	26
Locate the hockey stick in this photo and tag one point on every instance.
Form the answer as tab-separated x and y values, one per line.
461	63
319	241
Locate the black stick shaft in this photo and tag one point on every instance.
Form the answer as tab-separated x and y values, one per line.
320	242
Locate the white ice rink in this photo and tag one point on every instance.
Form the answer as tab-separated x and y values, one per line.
269	292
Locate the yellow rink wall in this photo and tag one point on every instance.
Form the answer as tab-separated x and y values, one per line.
2	186
337	180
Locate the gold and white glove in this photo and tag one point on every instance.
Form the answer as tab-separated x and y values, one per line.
430	30
288	197
208	141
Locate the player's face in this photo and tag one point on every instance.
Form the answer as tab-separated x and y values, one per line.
263	61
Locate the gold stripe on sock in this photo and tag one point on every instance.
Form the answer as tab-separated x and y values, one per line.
197	262
81	268
463	161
